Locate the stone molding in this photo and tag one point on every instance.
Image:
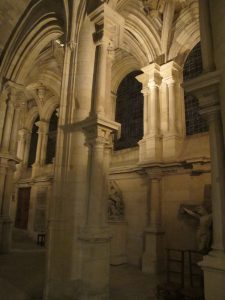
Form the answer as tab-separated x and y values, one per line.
108	24
206	89
171	73
43	126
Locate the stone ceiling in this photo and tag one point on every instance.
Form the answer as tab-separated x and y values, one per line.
10	12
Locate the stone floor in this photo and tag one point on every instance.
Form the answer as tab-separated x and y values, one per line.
22	275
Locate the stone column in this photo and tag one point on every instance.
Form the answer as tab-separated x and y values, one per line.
150	145
206	89
7	129
3	108
206	36
153	256
21	143
171	95
78	236
214	263
14	135
41	146
27	148
7	168
113	106
95	235
21	148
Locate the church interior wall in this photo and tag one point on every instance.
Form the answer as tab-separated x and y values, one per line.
179	187
174	166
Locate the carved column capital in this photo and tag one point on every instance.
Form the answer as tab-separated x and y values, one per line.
154	173
22	133
150	77
171	73
99	131
72	45
43	126
108	25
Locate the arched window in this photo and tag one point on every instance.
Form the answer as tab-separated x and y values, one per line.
129	111
33	144
52	134
192	68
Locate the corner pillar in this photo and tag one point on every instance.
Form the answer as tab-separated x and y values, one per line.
206	89
41	146
172	110
213	264
153	257
151	144
7	169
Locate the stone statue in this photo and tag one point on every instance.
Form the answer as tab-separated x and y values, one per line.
115	202
204	230
202	213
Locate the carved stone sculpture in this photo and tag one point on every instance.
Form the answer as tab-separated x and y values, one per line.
203	214
115	203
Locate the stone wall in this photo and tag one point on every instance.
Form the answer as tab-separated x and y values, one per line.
178	186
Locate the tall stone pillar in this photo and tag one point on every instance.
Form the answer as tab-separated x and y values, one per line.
22	133
21	150
95	235
14	135
151	144
27	148
171	95
7	129
153	256
41	146
206	89
78	236
7	167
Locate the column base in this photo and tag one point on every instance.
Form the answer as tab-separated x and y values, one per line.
213	266
59	289
5	234
118	245
150	149
153	257
171	146
95	249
